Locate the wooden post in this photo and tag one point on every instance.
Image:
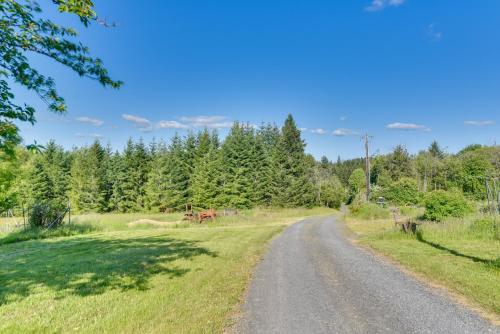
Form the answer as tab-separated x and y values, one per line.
367	167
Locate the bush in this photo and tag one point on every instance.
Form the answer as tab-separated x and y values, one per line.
369	211
403	192
44	215
440	204
333	193
357	184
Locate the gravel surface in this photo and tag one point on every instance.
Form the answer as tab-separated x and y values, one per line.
314	280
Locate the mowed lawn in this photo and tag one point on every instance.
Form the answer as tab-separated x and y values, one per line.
142	279
460	255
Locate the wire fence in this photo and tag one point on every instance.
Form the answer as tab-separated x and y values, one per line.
13	220
18	218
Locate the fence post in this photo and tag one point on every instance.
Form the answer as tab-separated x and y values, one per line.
24	218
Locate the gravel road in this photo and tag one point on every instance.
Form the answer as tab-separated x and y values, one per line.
314	280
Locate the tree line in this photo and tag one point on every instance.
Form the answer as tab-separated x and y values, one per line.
251	167
403	178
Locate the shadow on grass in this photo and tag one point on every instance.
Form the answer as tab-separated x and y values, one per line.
43	233
89	265
493	263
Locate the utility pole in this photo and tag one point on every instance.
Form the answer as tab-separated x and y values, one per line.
367	167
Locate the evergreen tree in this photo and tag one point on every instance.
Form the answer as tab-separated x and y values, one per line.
292	184
116	175
89	188
436	151
139	172
399	164
158	178
109	179
189	158
214	139
203	145
261	172
178	175
129	192
344	169
270	136
237	173
206	180
49	176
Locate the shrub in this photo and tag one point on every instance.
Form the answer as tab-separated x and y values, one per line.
403	192
440	204
357	184
357	180
369	211
333	193
43	215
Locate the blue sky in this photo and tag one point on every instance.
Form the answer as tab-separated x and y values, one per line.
406	72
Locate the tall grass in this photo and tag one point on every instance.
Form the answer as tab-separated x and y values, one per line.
369	211
476	227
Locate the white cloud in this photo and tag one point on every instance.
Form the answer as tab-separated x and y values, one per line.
171	125
89	120
479	123
433	33
221	125
377	5
141	123
89	135
201	120
345	132
343	118
319	131
407	126
213	122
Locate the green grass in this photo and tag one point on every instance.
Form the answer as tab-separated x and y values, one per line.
369	211
39	233
184	279
461	254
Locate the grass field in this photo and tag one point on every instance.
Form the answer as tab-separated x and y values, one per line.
135	278
462	255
